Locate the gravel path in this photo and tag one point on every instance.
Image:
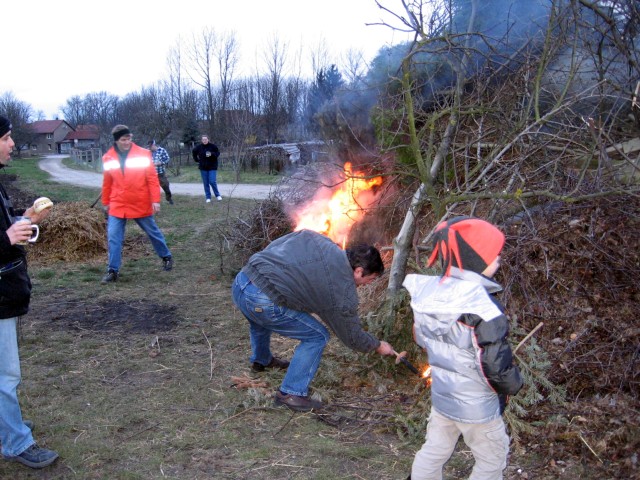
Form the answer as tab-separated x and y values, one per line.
52	164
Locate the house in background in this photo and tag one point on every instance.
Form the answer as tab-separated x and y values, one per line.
83	137
49	136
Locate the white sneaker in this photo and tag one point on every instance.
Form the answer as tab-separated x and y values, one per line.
208	200
219	197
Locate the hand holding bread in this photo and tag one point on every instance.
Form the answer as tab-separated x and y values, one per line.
41	204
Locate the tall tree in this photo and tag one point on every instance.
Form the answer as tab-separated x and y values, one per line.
20	113
227	56
202	59
328	81
74	111
272	88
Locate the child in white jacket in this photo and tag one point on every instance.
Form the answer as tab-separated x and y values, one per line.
464	331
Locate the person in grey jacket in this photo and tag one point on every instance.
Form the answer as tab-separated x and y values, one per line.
464	331
280	287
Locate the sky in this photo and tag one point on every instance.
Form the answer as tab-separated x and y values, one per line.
73	47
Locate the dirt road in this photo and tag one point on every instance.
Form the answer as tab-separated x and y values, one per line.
53	165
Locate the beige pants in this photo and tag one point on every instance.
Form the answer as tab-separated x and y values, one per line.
488	442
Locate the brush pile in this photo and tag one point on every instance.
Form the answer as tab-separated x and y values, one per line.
73	232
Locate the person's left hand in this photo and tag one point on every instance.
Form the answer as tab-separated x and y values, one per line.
156	207
37	217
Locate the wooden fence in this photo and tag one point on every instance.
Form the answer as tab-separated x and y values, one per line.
87	157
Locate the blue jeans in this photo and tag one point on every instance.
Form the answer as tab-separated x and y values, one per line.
15	436
266	317
209	177
115	237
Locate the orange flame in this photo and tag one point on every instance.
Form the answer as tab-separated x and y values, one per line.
333	215
427	376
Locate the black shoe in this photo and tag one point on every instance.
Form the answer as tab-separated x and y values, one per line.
296	403
111	276
36	457
167	263
274	363
170	201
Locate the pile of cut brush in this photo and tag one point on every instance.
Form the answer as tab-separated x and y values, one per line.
254	230
577	270
73	231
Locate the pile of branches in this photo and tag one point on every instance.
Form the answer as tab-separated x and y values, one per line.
72	232
577	269
252	231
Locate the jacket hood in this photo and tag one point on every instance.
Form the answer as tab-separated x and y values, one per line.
438	302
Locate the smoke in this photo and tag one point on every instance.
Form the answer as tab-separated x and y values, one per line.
502	36
501	28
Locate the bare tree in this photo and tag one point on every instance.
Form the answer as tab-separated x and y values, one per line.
175	83
202	59
272	87
353	66
74	111
227	55
493	125
20	113
103	109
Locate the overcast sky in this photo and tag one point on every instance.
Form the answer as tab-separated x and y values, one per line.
54	50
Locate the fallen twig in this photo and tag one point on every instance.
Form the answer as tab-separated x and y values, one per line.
589	447
529	335
210	356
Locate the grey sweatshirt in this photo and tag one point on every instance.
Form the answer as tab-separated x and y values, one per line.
306	271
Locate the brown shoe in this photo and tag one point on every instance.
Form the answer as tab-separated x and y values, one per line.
294	402
274	363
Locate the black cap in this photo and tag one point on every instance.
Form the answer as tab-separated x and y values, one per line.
5	125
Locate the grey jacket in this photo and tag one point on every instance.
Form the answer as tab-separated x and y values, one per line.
464	331
306	271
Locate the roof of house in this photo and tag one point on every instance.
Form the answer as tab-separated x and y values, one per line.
47	126
82	135
83	132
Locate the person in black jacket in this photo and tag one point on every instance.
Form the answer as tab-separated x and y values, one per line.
206	155
15	293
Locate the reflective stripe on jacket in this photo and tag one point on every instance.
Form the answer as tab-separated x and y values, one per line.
129	192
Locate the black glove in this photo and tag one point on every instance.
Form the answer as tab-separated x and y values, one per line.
504	400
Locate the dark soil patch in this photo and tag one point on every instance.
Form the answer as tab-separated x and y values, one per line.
113	316
20	199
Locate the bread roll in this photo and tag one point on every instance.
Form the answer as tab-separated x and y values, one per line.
42	203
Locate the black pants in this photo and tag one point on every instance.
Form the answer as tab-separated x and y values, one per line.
164	183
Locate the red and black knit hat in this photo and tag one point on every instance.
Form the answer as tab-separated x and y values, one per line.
467	243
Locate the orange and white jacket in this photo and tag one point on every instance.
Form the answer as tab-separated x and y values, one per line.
129	192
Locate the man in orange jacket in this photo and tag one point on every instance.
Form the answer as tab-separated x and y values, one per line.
130	190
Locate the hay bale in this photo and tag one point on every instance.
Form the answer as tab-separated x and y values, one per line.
72	232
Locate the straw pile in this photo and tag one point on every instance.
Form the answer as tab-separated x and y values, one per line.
72	232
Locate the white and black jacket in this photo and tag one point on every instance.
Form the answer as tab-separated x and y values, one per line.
464	330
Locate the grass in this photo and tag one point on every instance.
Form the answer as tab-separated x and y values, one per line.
157	402
120	404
